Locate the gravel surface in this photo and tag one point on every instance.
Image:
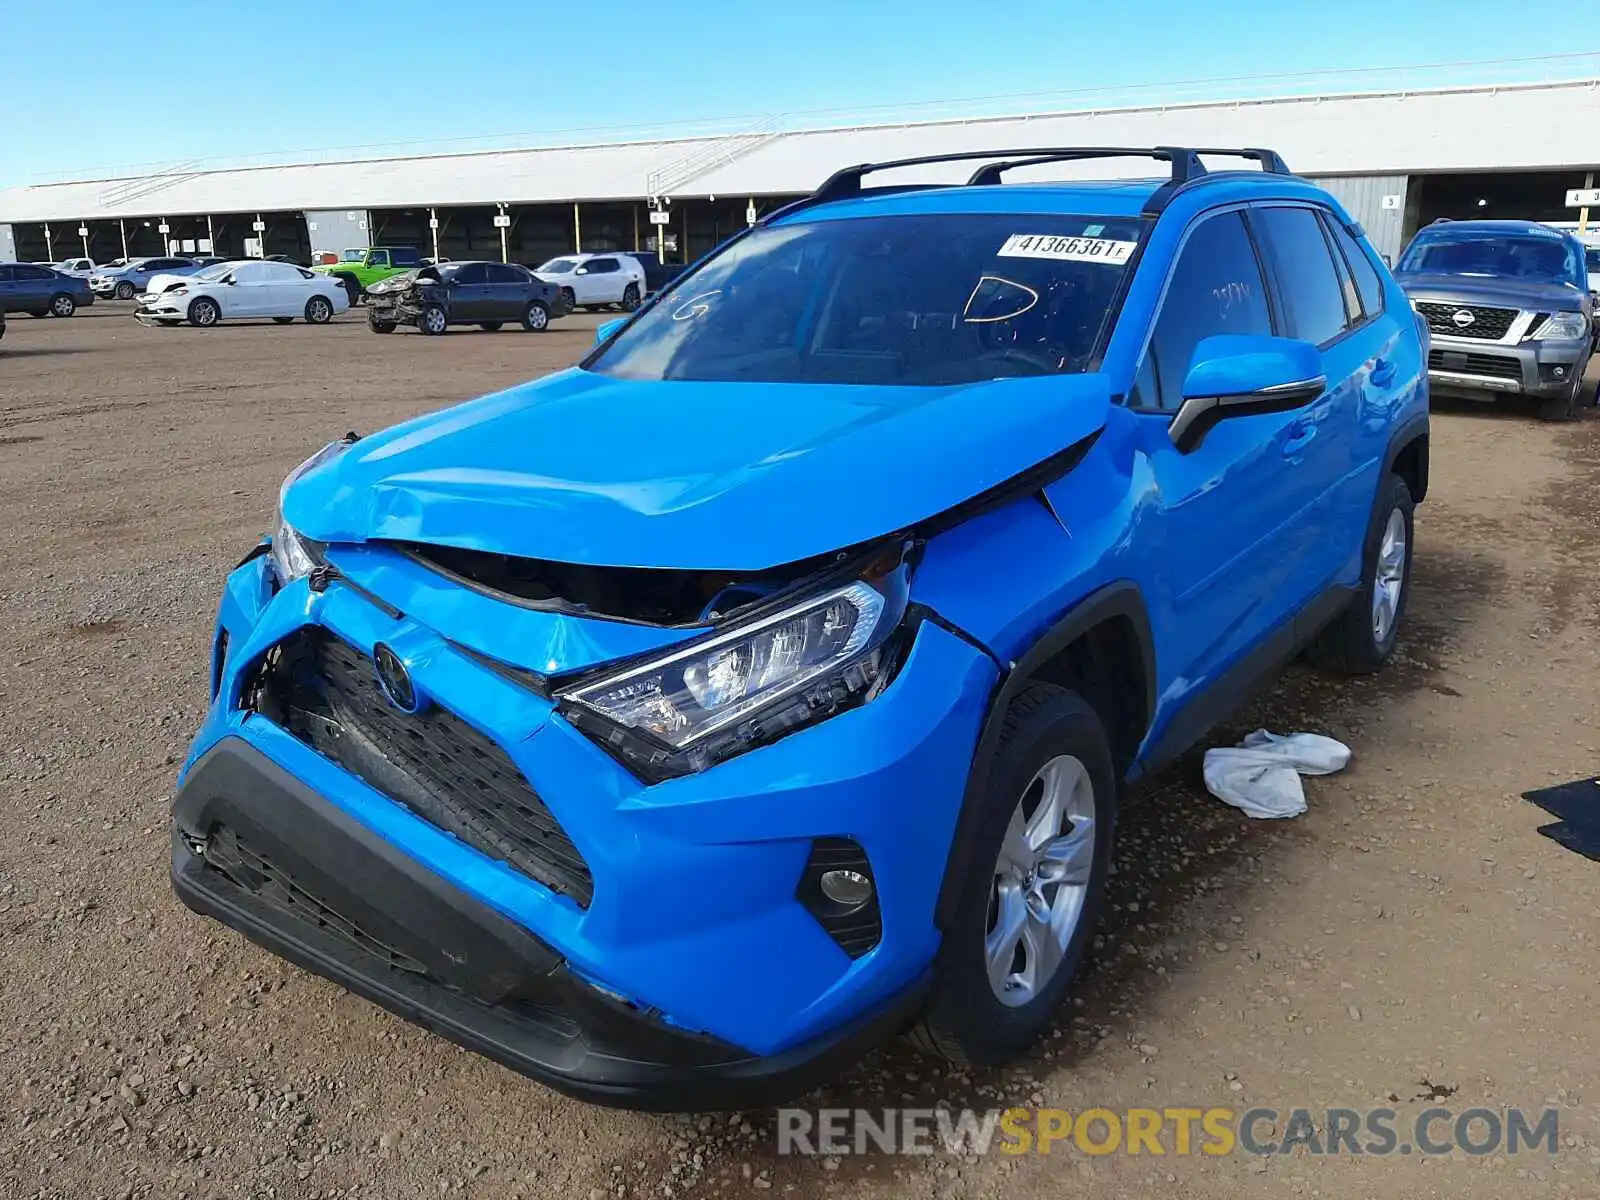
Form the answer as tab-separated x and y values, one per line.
1410	937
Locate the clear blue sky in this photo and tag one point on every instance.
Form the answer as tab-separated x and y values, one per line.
95	84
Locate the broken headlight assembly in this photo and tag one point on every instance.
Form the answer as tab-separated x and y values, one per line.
293	554
688	709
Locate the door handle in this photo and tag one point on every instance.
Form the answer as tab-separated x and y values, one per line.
1298	435
1382	372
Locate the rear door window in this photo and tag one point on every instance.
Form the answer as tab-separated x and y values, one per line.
1368	283
1216	288
505	273
1307	283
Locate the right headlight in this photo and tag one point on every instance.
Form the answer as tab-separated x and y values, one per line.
686	710
293	554
1562	327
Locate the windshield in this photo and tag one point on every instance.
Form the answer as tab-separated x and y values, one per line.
354	255
1591	257
558	266
1499	255
215	271
926	301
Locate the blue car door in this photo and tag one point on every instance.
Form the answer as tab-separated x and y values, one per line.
1225	529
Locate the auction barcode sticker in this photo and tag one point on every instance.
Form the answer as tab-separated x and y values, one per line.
1067	249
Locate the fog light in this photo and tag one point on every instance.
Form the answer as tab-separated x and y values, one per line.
848	889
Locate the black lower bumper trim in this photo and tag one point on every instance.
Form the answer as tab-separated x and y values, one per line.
261	852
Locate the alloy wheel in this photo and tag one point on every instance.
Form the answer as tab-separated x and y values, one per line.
434	320
62	306
1041	880
1390	577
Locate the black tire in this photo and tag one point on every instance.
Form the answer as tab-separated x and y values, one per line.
433	320
319	310
1350	644
571	299
352	288
124	290
536	317
39	312
490	326
1565	406
378	326
965	1020
284	320
62	305
204	312
630	298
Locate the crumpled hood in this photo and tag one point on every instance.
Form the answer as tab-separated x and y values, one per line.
584	468
1531	294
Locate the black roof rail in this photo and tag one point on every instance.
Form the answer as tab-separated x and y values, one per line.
1185	167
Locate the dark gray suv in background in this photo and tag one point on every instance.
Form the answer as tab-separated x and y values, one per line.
1509	308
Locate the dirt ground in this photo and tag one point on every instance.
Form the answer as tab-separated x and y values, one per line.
1410	937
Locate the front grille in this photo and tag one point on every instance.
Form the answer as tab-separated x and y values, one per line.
227	853
325	692
1494	366
1487	324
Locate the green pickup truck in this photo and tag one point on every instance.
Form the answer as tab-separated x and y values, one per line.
360	269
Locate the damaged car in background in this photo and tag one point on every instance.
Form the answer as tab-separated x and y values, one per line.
674	728
486	294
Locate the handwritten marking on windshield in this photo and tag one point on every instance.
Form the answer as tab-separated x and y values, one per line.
695	306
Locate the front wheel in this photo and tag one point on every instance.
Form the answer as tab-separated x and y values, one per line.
1360	639
203	311
62	305
490	326
352	288
378	326
319	310
630	298
1033	882
433	320
569	298
124	291
537	317
1565	406
284	320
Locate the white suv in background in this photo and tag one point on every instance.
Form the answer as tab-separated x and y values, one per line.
593	280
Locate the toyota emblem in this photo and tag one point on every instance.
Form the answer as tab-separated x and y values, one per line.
1462	318
395	680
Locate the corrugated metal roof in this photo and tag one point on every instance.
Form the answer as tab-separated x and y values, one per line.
1501	128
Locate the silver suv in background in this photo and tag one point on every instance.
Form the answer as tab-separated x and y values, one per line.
1509	308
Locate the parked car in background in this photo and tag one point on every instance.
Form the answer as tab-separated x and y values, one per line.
675	725
42	291
81	268
358	269
486	294
128	280
657	274
591	281
240	290
2	322
1509	306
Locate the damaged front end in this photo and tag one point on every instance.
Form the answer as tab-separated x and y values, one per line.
401	299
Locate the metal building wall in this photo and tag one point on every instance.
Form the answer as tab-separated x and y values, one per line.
8	244
1378	202
337	229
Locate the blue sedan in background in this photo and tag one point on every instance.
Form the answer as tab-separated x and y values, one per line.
30	288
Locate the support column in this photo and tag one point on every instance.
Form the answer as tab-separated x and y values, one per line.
433	227
49	246
577	229
1583	213
211	236
124	230
83	232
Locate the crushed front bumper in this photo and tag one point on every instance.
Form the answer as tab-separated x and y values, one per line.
695	932
1478	368
260	851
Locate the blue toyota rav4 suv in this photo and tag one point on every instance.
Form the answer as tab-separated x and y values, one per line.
677	725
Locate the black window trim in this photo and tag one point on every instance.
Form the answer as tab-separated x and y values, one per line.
1274	316
1356	234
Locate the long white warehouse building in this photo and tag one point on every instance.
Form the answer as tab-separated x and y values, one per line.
1396	159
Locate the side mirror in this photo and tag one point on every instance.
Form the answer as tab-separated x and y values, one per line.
1233	375
607	328
581	271
229	280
